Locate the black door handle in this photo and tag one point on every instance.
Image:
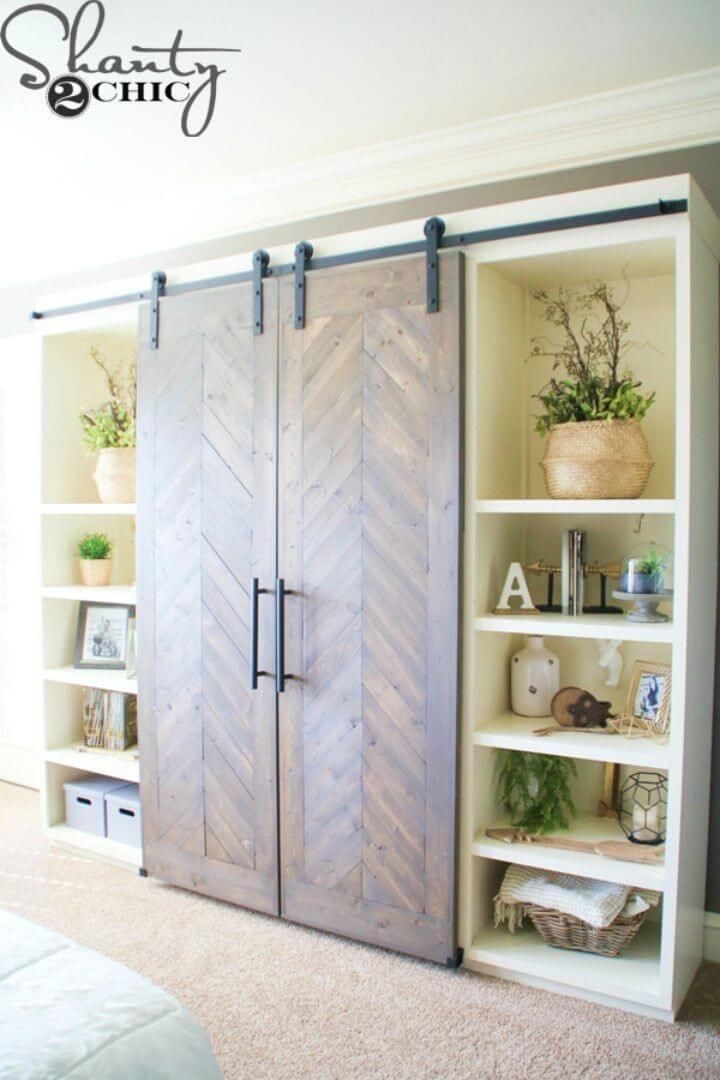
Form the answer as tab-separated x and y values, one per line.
254	605
280	677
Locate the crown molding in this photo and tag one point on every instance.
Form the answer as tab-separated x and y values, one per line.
664	115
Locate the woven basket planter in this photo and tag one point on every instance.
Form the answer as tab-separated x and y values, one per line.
114	475
95	572
566	932
597	459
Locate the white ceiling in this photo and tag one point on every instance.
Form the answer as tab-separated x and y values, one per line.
313	79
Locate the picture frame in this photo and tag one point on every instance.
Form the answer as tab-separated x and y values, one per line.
102	637
648	700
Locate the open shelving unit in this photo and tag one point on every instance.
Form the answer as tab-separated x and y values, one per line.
672	303
523	957
70	508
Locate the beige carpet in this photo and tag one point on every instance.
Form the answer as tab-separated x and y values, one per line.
281	1001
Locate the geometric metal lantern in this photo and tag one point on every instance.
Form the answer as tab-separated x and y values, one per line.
642	807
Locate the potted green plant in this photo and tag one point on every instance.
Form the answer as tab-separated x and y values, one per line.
95	559
534	789
591	414
109	431
644	569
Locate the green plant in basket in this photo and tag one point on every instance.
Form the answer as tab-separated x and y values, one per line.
591	355
111	425
95	546
535	790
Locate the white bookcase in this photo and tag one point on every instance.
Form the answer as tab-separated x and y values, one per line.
69	509
672	268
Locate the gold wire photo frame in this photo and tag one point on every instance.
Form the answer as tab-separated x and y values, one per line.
647	709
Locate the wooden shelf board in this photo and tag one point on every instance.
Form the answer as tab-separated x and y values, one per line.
96	846
121	764
89	508
577	626
111	594
102	680
575	506
584	827
632	976
512	732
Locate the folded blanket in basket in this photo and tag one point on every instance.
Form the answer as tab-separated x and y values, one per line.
598	903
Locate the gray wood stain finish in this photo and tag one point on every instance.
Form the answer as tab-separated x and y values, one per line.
368	534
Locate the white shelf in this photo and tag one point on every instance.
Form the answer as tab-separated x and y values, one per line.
584	827
110	594
96	846
632	976
577	626
512	732
89	508
101	680
120	764
575	506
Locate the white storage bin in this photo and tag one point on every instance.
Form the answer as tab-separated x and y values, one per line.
85	803
123	815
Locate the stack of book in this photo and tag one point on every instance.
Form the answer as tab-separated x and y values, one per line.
109	719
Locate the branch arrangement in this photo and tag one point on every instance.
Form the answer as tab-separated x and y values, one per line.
112	424
591	354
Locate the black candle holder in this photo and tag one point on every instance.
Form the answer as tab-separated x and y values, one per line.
642	807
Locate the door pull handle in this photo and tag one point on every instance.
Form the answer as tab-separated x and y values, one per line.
280	677
254	605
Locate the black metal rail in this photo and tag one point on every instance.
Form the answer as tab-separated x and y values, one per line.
436	240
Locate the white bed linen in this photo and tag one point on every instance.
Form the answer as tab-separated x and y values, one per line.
66	1011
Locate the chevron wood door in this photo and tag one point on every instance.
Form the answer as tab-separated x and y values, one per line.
206	528
369	488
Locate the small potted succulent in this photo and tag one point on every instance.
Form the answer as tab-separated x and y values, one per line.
95	559
591	415
109	431
644	569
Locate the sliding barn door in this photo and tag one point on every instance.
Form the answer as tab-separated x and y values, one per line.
369	488
206	528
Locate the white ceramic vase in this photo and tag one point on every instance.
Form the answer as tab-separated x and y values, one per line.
534	679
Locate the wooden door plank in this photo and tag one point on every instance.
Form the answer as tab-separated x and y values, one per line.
291	746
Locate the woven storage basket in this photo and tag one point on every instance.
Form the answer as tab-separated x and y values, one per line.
567	932
597	459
